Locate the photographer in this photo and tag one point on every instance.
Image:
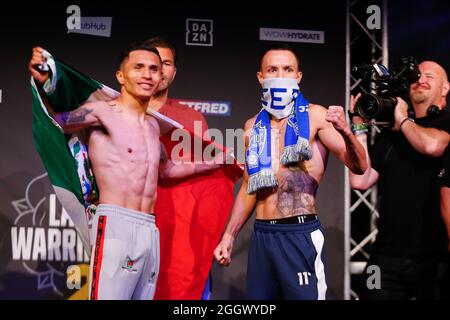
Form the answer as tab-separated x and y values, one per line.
411	242
444	179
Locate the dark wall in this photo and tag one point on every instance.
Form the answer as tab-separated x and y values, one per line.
420	29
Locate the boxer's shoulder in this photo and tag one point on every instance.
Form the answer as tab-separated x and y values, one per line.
317	114
94	107
316	108
250	122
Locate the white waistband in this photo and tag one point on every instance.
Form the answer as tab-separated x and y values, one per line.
134	214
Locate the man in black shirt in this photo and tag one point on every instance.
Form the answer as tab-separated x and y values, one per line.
444	179
405	161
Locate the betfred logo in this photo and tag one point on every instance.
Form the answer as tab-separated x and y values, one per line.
215	108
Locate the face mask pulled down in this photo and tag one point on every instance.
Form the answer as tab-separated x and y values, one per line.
279	95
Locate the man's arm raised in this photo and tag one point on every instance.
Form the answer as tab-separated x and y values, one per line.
428	141
78	119
370	176
37	60
84	117
335	134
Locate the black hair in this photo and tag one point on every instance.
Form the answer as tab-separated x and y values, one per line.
278	46
163	42
142	45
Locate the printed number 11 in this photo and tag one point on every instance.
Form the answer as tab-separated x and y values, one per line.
303	278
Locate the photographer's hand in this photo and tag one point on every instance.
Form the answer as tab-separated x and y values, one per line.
353	101
351	108
428	141
355	119
400	113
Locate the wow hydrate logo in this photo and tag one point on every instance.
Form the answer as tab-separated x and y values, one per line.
214	108
95	26
290	35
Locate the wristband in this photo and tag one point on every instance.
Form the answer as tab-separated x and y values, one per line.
404	120
359	128
357	132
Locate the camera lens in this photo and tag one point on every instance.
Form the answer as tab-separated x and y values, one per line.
368	106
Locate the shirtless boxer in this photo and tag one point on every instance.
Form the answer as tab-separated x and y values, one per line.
127	158
285	161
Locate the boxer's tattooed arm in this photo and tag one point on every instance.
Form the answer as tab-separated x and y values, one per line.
78	115
75	120
61	118
296	194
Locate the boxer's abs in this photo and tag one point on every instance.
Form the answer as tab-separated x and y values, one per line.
126	170
131	189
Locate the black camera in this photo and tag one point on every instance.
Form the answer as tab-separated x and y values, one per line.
387	86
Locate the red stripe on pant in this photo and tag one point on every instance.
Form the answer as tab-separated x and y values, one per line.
101	227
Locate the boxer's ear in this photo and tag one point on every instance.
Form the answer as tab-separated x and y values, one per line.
260	77
299	77
119	77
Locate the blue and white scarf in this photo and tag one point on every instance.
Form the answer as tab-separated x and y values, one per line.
296	139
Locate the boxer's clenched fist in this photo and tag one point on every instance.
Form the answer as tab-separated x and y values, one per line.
37	59
336	116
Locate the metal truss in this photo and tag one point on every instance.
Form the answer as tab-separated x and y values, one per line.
365	45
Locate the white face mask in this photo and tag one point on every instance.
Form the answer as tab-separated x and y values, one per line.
279	95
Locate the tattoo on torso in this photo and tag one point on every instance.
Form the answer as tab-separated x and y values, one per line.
296	193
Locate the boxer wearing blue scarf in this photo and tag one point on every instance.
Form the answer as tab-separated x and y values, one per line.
287	145
281	98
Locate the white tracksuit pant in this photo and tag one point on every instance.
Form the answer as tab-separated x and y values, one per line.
125	254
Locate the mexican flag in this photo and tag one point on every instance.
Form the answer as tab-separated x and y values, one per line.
65	157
